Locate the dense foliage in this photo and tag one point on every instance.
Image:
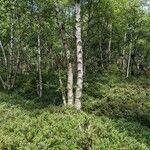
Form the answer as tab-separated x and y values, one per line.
121	121
38	42
112	95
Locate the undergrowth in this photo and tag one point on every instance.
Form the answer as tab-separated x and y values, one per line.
116	117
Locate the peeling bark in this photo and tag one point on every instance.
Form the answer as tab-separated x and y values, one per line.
79	85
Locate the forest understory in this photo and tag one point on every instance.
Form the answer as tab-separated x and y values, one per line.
116	116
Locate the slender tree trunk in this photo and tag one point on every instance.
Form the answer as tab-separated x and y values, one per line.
61	26
40	87
62	90
123	53
100	49
138	68
79	85
129	60
101	53
16	69
2	81
16	58
9	78
109	43
70	85
4	54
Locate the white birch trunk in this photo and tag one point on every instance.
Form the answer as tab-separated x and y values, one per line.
79	85
129	60
109	43
40	87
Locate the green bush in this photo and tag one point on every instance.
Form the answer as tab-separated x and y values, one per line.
117	97
122	108
59	128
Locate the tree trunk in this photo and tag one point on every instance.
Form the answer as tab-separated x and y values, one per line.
16	69
79	85
123	53
62	90
69	64
109	43
129	60
11	62
100	49
4	55
40	87
2	81
70	85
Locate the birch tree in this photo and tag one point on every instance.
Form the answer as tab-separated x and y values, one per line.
39	86
79	53
61	26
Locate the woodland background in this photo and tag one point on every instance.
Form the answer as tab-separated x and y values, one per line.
75	74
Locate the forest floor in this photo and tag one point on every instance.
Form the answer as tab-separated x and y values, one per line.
116	116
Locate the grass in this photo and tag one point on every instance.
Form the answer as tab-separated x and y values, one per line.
116	117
